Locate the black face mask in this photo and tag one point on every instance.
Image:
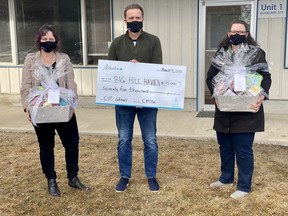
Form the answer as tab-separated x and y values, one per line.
237	39
48	46
134	26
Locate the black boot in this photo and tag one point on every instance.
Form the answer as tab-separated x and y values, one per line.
53	187
75	183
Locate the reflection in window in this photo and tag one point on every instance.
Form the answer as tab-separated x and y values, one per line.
5	42
64	15
98	29
219	19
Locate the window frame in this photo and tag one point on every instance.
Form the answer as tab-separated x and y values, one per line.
286	40
13	35
83	22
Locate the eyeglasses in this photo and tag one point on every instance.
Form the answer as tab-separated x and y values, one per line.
238	32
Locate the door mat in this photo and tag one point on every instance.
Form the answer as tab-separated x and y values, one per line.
205	114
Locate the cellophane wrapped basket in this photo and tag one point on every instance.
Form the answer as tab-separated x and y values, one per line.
40	110
237	85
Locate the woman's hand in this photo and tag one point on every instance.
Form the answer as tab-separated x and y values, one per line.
217	103
28	116
256	106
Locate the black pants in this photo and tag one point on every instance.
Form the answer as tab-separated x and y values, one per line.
68	133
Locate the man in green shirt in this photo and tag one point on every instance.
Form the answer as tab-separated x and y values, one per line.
136	46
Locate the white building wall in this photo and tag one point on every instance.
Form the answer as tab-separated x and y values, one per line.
86	81
175	23
271	38
10	80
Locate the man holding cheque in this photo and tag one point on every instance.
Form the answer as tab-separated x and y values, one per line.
136	46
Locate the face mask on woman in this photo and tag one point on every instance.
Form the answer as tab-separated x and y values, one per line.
48	46
237	39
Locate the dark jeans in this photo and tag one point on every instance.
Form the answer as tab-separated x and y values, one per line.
125	117
239	145
68	133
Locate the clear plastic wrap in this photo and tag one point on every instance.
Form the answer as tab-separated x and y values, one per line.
237	84
38	96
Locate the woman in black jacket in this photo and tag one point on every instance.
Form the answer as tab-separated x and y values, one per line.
236	130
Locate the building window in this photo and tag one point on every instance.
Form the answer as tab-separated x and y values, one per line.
5	42
98	29
64	15
85	42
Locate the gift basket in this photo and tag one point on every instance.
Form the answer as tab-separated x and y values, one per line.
39	98
237	85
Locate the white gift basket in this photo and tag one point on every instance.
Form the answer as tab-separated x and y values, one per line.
53	114
41	110
237	85
236	103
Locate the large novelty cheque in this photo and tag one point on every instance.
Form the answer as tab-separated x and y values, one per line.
140	84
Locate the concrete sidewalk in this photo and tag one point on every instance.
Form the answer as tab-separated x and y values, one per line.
100	120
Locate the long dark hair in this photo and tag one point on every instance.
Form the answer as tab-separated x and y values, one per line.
42	32
249	40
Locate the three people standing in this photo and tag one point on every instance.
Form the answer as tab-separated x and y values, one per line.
235	130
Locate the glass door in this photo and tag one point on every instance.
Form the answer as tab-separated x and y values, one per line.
214	21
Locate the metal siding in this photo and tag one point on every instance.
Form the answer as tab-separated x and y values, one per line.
174	19
271	38
14	75
87	81
118	9
175	23
276	41
164	29
189	45
151	17
5	80
78	80
262	36
94	79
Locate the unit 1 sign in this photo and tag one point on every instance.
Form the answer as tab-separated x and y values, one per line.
272	9
140	84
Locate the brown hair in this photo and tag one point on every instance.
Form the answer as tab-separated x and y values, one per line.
249	40
133	6
42	32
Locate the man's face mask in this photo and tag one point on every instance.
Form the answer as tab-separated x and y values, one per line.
134	26
237	39
48	46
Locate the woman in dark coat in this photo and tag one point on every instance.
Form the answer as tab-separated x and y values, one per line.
236	130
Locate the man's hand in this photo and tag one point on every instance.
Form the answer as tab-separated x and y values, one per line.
133	60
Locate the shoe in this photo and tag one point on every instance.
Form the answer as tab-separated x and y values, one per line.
53	187
219	184
122	185
76	183
238	194
153	184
